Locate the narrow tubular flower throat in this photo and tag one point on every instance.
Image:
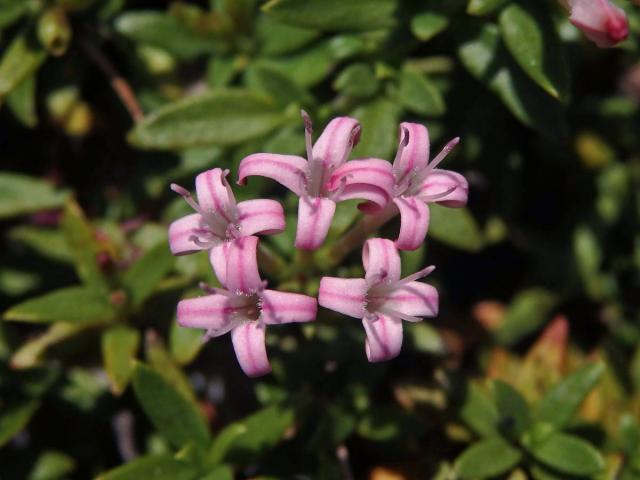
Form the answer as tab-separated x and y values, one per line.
382	299
244	307
313	178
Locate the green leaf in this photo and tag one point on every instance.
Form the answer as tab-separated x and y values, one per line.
71	304
379	121
487	458
483	7
82	242
563	400
224	117
220	71
15	283
22	102
152	467
569	454
20	194
334	15
52	465
119	347
252	436
427	25
20	60
164	31
278	39
143	277
222	472
479	412
588	256
271	81
533	42
357	80
527	312
426	339
419	95
184	343
455	227
486	58
11	11
171	413
512	408
15	417
47	242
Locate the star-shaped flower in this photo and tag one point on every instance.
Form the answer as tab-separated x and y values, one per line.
245	307
219	219
382	299
368	179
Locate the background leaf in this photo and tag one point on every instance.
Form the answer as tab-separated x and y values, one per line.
487	458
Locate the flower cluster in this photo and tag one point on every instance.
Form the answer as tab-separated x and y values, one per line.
244	306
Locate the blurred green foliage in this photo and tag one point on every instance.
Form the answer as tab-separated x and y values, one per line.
532	369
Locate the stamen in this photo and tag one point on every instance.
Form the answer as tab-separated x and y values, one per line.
184	193
416	276
436	196
200	243
397	314
445	151
308	131
231	196
343	184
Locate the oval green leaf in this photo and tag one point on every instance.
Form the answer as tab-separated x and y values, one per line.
487	458
225	118
455	227
119	346
152	467
569	454
21	194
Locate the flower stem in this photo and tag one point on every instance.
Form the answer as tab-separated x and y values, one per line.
355	237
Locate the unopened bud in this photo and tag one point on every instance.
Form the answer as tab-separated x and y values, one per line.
600	20
54	31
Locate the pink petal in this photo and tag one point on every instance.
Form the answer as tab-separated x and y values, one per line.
600	20
376	198
181	231
381	260
384	337
415	299
415	155
344	295
214	312
288	170
260	216
242	266
251	351
314	219
214	194
284	307
218	259
336	141
369	179
440	181
414	222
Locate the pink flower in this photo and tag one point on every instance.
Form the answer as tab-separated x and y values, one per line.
311	179
219	219
600	20
418	182
245	307
381	299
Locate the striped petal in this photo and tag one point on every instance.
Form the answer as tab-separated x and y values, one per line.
414	299
314	219
414	222
218	259
181	232
251	351
213	312
384	337
343	295
441	181
368	179
214	194
284	307
336	141
381	260
288	170
415	154
260	216
242	266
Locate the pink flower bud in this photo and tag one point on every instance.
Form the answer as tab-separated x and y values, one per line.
600	20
